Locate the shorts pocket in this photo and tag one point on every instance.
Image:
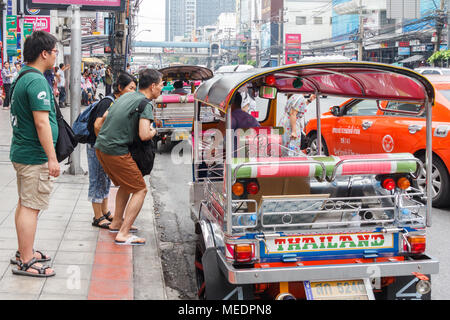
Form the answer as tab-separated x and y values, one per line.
45	183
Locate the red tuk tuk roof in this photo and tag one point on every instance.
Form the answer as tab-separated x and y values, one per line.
347	79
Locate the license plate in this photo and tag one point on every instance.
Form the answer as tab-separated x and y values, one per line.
180	136
337	290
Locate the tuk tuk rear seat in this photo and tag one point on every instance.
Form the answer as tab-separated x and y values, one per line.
367	164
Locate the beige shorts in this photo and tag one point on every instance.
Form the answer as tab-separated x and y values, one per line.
34	185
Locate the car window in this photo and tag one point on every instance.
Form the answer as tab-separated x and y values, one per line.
430	72
446	94
362	108
402	106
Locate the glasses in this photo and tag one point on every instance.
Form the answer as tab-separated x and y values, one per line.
54	50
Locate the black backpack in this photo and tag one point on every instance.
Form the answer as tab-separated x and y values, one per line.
142	152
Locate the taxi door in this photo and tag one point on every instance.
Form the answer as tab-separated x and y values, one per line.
352	130
394	132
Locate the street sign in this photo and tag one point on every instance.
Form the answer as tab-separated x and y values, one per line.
86	5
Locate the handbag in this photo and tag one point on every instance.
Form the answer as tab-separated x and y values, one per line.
143	152
66	142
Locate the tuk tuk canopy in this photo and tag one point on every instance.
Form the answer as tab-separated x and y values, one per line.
347	79
186	73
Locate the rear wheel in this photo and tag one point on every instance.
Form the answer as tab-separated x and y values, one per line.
312	145
440	182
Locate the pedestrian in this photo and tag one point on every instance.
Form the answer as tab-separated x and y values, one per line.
8	77
99	182
121	126
62	84
108	80
32	153
291	121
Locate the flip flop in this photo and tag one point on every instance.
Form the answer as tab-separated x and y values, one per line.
25	266
131	241
117	230
44	258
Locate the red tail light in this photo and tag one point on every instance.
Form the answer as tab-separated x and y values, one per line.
253	188
389	184
418	244
243	253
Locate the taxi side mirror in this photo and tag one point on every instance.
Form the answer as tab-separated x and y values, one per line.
335	111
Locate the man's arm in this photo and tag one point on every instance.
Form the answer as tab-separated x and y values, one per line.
146	130
44	132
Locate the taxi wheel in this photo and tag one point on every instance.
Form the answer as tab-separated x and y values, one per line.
199	273
312	145
440	184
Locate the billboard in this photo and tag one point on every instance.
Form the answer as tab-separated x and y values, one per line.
293	44
95	5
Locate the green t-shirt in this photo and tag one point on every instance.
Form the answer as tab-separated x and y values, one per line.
119	129
32	93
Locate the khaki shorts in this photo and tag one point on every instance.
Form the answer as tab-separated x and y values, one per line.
123	171
34	185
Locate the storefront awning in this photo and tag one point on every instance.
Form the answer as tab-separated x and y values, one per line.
414	58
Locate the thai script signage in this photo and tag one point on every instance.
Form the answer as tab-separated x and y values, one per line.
293	47
95	5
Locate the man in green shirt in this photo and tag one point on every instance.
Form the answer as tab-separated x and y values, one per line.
35	131
118	131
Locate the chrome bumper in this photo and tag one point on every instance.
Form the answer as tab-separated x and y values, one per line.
426	265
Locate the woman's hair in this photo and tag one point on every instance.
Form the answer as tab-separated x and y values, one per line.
37	42
122	81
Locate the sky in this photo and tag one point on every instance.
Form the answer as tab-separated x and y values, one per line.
151	16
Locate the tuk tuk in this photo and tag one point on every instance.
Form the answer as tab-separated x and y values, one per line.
273	225
175	110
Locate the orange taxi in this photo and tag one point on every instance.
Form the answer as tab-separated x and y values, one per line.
360	127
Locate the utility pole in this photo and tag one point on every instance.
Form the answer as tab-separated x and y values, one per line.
360	32
448	24
439	26
280	48
75	81
5	45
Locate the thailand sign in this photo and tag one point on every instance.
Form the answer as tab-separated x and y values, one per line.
90	5
329	242
293	43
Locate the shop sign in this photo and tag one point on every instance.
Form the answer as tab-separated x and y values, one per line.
384	45
40	23
402	43
419	48
404	51
414	42
11	35
293	48
27	29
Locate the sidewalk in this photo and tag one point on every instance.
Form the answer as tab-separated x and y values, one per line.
87	263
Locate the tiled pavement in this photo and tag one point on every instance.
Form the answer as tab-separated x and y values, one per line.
87	263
